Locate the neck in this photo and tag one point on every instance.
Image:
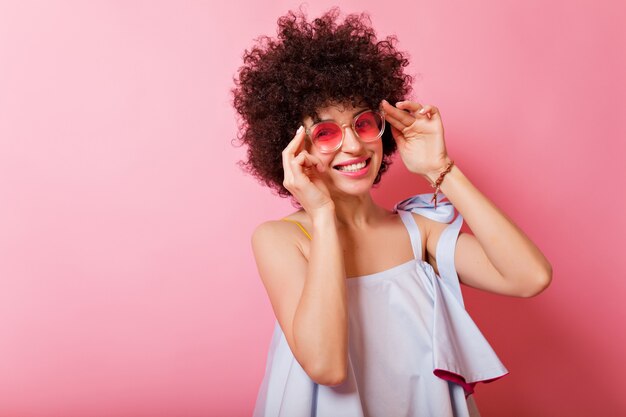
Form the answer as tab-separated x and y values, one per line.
357	212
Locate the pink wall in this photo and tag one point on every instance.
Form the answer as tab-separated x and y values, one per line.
127	282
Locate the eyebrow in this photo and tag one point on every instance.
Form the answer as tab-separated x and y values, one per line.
316	118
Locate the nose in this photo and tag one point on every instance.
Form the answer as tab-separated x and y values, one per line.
351	142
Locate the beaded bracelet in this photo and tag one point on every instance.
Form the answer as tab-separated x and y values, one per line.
437	184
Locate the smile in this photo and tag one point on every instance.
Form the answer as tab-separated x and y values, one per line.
355	170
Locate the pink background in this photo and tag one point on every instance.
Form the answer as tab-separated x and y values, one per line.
127	282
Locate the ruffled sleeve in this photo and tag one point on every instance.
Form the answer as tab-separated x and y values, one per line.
461	354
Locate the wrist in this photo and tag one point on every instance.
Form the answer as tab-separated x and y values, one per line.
324	215
437	183
433	176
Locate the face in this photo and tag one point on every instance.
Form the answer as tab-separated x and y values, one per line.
345	173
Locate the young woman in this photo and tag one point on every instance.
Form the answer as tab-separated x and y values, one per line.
370	315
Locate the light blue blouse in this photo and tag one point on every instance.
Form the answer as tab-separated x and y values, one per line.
413	348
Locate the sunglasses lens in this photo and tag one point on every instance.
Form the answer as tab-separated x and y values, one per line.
326	135
369	125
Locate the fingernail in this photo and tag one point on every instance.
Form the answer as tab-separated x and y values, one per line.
422	110
299	129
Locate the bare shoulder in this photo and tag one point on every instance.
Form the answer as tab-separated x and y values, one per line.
299	216
281	234
272	227
268	231
282	268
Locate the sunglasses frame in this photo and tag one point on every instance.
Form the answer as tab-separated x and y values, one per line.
342	127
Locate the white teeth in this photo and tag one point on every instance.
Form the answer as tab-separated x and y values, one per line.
352	167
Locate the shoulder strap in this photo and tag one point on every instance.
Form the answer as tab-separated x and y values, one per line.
300	226
446	246
414	232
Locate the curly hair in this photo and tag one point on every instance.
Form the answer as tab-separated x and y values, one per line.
307	67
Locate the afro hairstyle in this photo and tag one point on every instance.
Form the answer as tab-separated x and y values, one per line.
308	66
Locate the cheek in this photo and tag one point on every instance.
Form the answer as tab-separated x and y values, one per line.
379	153
326	161
378	149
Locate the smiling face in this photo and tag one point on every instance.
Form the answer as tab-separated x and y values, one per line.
351	169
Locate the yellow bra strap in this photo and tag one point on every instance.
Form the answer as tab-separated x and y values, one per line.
300	226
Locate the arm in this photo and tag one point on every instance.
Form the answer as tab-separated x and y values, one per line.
499	257
321	319
308	298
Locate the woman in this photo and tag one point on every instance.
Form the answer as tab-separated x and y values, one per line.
370	316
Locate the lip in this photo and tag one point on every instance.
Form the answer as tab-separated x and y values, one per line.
360	173
352	161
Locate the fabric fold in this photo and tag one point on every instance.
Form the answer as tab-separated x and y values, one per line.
288	391
461	354
420	204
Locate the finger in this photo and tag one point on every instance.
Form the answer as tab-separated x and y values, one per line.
409	105
398	136
315	162
294	145
395	123
402	116
302	169
290	151
303	161
312	161
430	111
297	166
295	170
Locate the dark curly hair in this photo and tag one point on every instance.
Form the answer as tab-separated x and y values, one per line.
309	66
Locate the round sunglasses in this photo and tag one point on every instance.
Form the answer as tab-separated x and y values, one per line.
328	135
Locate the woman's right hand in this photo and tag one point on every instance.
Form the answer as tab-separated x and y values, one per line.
302	178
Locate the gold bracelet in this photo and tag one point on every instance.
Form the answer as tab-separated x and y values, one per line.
437	184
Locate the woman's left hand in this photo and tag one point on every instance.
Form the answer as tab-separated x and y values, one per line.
418	131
